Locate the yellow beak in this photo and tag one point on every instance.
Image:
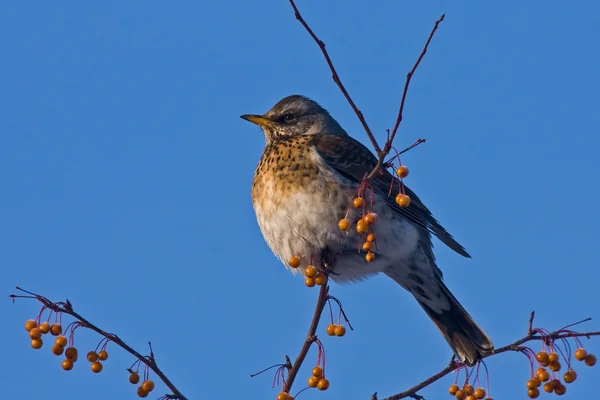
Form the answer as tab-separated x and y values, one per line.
256	119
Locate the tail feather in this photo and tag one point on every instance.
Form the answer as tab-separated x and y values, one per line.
464	336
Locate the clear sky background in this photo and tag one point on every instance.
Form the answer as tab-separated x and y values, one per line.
125	176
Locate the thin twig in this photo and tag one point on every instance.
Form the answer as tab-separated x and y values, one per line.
336	77
310	338
530	325
388	144
68	309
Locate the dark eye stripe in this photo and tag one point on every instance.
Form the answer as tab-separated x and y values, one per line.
287	117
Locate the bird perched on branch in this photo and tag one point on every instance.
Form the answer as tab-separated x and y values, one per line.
306	181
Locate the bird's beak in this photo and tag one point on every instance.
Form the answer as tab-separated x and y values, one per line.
256	119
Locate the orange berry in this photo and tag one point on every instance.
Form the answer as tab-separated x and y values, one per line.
61	341
548	387
533	393
403	200
570	376
310	282
371	218
358	202
590	360
470	397
310	272
468	389
562	389
555	383
71	353
67	365
320	279
371	237
580	354
361	226
92	356
55	329
370	257
402	171
542	374
331	330
103	355
344	224
453	389
340	330
367	246
317	371
294	262
323	384
554	366
533	383
57	350
460	395
148	385
552	357
35	333
30	324
134	378
479	393
44	327
542	358
313	381
37	343
96	367
142	393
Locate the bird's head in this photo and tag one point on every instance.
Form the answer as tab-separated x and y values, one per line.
294	116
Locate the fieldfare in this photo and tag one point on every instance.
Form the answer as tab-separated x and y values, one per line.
305	183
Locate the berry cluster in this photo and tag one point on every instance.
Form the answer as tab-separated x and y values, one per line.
134	378
467	392
364	226
548	362
317	380
336	330
551	379
313	277
62	344
402	199
471	388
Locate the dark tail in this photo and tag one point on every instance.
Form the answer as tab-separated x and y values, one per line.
464	336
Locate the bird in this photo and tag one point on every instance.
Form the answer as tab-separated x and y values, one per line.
307	178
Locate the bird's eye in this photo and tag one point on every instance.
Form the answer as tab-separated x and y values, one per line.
288	117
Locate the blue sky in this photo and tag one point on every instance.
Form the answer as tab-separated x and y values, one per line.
125	172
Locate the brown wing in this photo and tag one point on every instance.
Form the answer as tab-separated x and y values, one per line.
354	161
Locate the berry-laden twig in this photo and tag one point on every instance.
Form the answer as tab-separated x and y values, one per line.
381	153
310	337
547	339
94	357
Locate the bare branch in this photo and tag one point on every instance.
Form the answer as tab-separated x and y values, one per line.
388	144
336	77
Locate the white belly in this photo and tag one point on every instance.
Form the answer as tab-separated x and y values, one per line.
307	222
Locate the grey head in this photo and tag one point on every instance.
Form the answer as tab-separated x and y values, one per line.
294	116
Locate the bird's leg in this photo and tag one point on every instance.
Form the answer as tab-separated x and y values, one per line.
327	261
